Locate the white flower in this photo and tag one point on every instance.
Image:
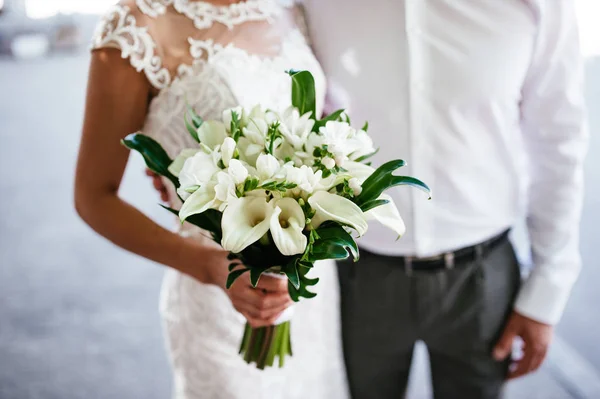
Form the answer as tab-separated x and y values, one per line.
355	185
249	151
237	171
329	206
328	162
227	150
224	190
387	215
358	170
241	113
212	133
201	200
304	177
363	144
266	165
296	128
177	165
197	171
287	223
256	130
244	222
336	136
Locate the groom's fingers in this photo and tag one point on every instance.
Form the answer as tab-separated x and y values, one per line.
524	365
504	346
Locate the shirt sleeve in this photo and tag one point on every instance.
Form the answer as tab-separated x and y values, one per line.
555	134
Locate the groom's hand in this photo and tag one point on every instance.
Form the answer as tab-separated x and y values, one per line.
159	185
536	338
262	305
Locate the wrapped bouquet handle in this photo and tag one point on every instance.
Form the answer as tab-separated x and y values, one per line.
280	190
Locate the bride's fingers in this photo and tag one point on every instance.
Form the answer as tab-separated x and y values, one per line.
258	318
272	284
262	301
257	312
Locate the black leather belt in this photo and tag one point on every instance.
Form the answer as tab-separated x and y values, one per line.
449	260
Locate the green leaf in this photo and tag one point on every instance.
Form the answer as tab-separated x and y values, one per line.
155	156
329	250
382	179
366	156
365	126
196	119
234	275
331	117
337	240
367	206
291	271
209	220
255	274
232	266
193	132
303	92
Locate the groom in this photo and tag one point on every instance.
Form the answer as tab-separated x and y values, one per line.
483	99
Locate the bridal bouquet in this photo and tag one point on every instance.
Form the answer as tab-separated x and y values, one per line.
279	191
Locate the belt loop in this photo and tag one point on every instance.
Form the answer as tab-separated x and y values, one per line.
449	260
408	265
479	253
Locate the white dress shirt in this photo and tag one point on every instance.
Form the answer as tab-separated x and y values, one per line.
484	101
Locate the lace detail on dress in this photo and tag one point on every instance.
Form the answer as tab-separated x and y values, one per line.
153	8
118	29
205	14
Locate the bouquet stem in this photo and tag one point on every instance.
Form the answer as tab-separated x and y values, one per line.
262	345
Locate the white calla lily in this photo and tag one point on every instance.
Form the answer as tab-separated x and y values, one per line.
179	161
201	200
387	215
244	222
212	133
334	207
287	223
227	150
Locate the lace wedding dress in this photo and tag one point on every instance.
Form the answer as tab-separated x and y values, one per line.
217	57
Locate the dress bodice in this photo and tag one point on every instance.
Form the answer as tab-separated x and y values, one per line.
210	57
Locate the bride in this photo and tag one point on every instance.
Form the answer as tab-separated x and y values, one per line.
150	58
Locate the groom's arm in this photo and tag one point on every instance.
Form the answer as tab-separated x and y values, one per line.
556	139
554	130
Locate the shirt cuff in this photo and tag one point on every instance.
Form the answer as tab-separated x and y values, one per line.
542	300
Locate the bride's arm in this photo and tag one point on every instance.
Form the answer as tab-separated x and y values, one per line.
116	105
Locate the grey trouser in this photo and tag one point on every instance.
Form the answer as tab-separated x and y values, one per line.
458	313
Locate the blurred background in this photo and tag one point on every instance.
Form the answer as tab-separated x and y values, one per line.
78	317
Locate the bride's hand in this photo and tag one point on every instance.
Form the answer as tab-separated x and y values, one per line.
262	305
